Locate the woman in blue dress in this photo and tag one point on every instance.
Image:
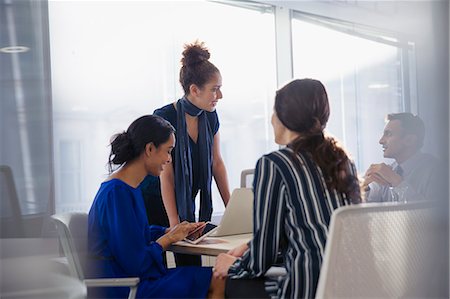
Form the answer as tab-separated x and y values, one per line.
296	189
196	157
121	243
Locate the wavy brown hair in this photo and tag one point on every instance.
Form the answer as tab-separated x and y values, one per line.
302	106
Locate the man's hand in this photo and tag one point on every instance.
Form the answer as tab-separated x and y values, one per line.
381	174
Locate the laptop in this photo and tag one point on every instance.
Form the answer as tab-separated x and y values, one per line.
238	216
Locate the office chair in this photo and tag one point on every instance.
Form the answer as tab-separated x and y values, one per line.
34	277
386	250
11	221
277	270
72	229
247	174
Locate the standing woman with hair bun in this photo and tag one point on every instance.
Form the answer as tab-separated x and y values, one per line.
196	157
121	243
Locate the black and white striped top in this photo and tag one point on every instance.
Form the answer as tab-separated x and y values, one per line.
292	204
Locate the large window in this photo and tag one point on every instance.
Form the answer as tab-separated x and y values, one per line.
114	61
366	78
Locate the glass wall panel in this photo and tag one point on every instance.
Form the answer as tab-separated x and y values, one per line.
25	111
363	79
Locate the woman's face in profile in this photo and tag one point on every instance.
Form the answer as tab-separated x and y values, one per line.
283	136
278	129
209	94
161	156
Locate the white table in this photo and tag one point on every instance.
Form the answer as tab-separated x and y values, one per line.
212	246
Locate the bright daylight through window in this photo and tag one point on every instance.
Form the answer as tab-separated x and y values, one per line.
363	80
114	61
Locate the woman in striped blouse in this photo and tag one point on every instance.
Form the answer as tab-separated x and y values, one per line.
296	190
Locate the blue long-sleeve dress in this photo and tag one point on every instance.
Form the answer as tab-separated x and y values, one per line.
122	244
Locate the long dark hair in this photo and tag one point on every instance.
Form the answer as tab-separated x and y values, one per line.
196	68
302	106
129	145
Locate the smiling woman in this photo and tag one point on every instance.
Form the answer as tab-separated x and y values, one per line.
120	241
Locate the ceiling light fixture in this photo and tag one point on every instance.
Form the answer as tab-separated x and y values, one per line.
378	86
14	49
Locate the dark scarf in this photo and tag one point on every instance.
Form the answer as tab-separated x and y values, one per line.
183	165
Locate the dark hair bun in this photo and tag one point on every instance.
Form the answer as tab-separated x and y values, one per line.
195	53
121	148
127	146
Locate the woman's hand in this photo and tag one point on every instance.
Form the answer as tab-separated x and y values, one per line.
223	263
178	233
238	251
181	230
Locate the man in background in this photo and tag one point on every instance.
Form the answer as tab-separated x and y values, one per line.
414	175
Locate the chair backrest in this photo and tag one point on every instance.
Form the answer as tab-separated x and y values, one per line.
247	178
11	222
386	250
72	229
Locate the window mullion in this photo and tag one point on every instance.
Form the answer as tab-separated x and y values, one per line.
283	44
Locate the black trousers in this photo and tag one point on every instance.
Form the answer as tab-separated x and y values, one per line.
245	288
